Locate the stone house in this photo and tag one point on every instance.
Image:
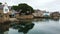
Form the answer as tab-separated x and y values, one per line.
38	13
4	17
41	13
55	15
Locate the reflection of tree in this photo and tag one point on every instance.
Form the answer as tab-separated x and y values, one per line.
23	26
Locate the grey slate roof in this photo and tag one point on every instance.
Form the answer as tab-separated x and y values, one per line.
1	7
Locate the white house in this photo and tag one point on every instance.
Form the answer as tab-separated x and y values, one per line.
5	8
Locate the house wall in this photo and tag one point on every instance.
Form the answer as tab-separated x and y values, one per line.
38	14
3	17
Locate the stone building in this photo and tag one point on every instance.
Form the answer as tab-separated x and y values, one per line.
38	13
41	13
55	15
4	16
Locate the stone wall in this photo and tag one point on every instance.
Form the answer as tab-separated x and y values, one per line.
25	17
3	17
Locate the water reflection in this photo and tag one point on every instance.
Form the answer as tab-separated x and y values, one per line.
35	26
44	20
23	26
4	28
55	19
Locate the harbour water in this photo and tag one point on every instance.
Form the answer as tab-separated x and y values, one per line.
35	26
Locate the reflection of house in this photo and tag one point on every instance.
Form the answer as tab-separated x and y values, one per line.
4	28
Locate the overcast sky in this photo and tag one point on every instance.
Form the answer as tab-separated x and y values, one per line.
48	5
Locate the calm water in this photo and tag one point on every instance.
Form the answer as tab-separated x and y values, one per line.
36	26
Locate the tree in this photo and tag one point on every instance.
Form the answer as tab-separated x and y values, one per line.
23	8
0	3
15	8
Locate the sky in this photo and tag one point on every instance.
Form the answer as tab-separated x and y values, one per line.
48	5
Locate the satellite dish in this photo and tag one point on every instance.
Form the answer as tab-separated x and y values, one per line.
5	8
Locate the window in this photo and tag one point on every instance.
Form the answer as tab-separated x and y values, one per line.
6	9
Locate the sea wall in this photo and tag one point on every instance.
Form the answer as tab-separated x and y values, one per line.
25	17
